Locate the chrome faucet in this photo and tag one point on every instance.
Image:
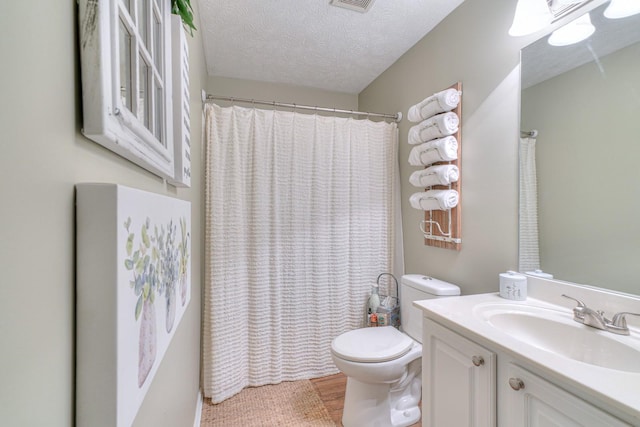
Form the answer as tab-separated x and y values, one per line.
596	318
619	323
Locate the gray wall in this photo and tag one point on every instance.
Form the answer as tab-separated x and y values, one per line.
472	46
587	157
42	156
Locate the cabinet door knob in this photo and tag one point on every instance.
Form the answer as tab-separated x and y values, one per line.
477	360
516	383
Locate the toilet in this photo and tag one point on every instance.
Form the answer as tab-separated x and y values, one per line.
383	365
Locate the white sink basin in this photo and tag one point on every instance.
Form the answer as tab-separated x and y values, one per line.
558	333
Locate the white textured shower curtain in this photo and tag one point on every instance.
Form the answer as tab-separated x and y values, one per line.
299	223
528	253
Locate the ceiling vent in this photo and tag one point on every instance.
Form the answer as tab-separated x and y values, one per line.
357	5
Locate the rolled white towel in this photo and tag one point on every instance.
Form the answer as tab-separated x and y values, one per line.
434	200
435	175
434	127
440	102
438	150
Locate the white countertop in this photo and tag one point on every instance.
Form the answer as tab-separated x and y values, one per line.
619	390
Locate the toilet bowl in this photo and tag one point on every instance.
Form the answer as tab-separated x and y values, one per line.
383	368
383	365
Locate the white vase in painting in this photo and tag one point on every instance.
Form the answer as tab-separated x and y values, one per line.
171	309
183	288
147	343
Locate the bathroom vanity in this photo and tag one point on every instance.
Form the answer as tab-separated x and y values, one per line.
490	361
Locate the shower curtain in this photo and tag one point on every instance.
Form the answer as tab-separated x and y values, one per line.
528	253
300	215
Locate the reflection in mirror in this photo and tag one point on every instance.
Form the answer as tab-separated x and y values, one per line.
125	65
584	102
143	92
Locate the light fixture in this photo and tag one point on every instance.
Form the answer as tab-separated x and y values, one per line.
622	8
530	16
574	32
560	8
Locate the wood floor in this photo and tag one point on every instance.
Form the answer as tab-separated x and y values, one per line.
331	390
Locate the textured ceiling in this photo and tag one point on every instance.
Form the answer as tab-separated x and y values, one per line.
311	43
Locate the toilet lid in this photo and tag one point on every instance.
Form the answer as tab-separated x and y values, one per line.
371	344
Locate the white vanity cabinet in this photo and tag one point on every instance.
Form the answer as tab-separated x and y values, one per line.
466	384
459	380
532	401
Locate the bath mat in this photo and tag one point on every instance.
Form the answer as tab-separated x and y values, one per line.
288	404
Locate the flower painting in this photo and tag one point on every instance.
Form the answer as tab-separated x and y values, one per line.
139	299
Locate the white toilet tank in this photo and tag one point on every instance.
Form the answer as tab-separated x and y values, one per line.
415	287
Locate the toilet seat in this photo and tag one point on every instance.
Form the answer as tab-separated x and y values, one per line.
379	344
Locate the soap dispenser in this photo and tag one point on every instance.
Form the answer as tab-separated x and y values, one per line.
372	306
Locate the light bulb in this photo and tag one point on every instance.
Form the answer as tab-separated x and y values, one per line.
530	16
574	32
622	8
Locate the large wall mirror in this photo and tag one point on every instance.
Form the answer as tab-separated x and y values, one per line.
584	102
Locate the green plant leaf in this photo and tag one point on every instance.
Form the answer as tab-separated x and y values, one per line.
145	290
183	9
145	237
128	264
139	307
130	244
140	266
138	287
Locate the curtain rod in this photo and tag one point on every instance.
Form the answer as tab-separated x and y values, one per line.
397	117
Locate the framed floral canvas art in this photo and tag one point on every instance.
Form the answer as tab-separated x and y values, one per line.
133	287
